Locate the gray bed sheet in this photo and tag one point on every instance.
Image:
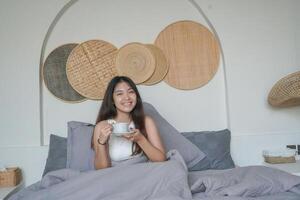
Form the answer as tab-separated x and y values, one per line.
244	183
168	180
279	196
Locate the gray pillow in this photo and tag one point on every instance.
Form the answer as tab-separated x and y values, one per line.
216	146
57	154
172	138
80	155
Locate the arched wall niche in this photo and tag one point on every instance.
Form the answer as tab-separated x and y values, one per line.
121	22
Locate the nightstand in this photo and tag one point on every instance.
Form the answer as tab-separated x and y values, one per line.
5	192
293	168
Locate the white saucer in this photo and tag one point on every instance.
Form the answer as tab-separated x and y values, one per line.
122	133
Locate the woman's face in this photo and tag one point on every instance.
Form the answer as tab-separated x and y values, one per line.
124	97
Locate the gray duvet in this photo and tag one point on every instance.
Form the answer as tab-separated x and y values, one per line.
168	180
253	182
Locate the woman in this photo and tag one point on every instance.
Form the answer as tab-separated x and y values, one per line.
122	103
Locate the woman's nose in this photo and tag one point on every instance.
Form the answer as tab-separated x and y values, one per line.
126	96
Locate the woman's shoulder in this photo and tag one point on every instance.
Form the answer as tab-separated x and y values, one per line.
150	126
149	120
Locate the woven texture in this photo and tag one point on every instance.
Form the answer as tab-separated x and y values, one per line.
55	77
279	159
90	66
286	92
192	53
161	65
136	61
11	177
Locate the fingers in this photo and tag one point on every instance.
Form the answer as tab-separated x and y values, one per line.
106	130
129	137
132	136
103	138
108	127
104	134
134	131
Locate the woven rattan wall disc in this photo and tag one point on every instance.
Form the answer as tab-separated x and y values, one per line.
90	66
192	53
136	61
161	65
55	77
286	92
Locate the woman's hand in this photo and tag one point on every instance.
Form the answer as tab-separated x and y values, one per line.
103	132
101	135
135	136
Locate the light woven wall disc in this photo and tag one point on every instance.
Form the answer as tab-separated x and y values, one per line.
192	52
161	65
136	61
90	66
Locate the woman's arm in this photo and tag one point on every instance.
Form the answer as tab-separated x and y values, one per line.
152	146
101	135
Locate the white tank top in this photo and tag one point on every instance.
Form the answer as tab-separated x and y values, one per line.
119	147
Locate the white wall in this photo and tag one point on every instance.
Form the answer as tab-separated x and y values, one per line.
23	27
259	48
297	24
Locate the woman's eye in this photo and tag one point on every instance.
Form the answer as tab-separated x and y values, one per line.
131	91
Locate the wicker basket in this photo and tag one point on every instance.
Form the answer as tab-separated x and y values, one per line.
286	92
11	177
279	159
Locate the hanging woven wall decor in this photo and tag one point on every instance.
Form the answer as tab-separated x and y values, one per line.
136	61
286	92
161	65
192	52
90	66
185	55
55	77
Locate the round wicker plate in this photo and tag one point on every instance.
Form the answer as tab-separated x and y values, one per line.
55	77
136	61
192	53
286	92
90	66
161	65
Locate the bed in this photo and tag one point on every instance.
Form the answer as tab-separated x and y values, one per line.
195	169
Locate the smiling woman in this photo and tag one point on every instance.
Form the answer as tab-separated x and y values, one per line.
122	103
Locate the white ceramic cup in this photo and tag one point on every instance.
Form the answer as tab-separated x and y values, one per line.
120	128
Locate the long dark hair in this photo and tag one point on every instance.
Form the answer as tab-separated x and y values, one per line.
109	111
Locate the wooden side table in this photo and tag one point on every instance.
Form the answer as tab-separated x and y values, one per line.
293	168
5	192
